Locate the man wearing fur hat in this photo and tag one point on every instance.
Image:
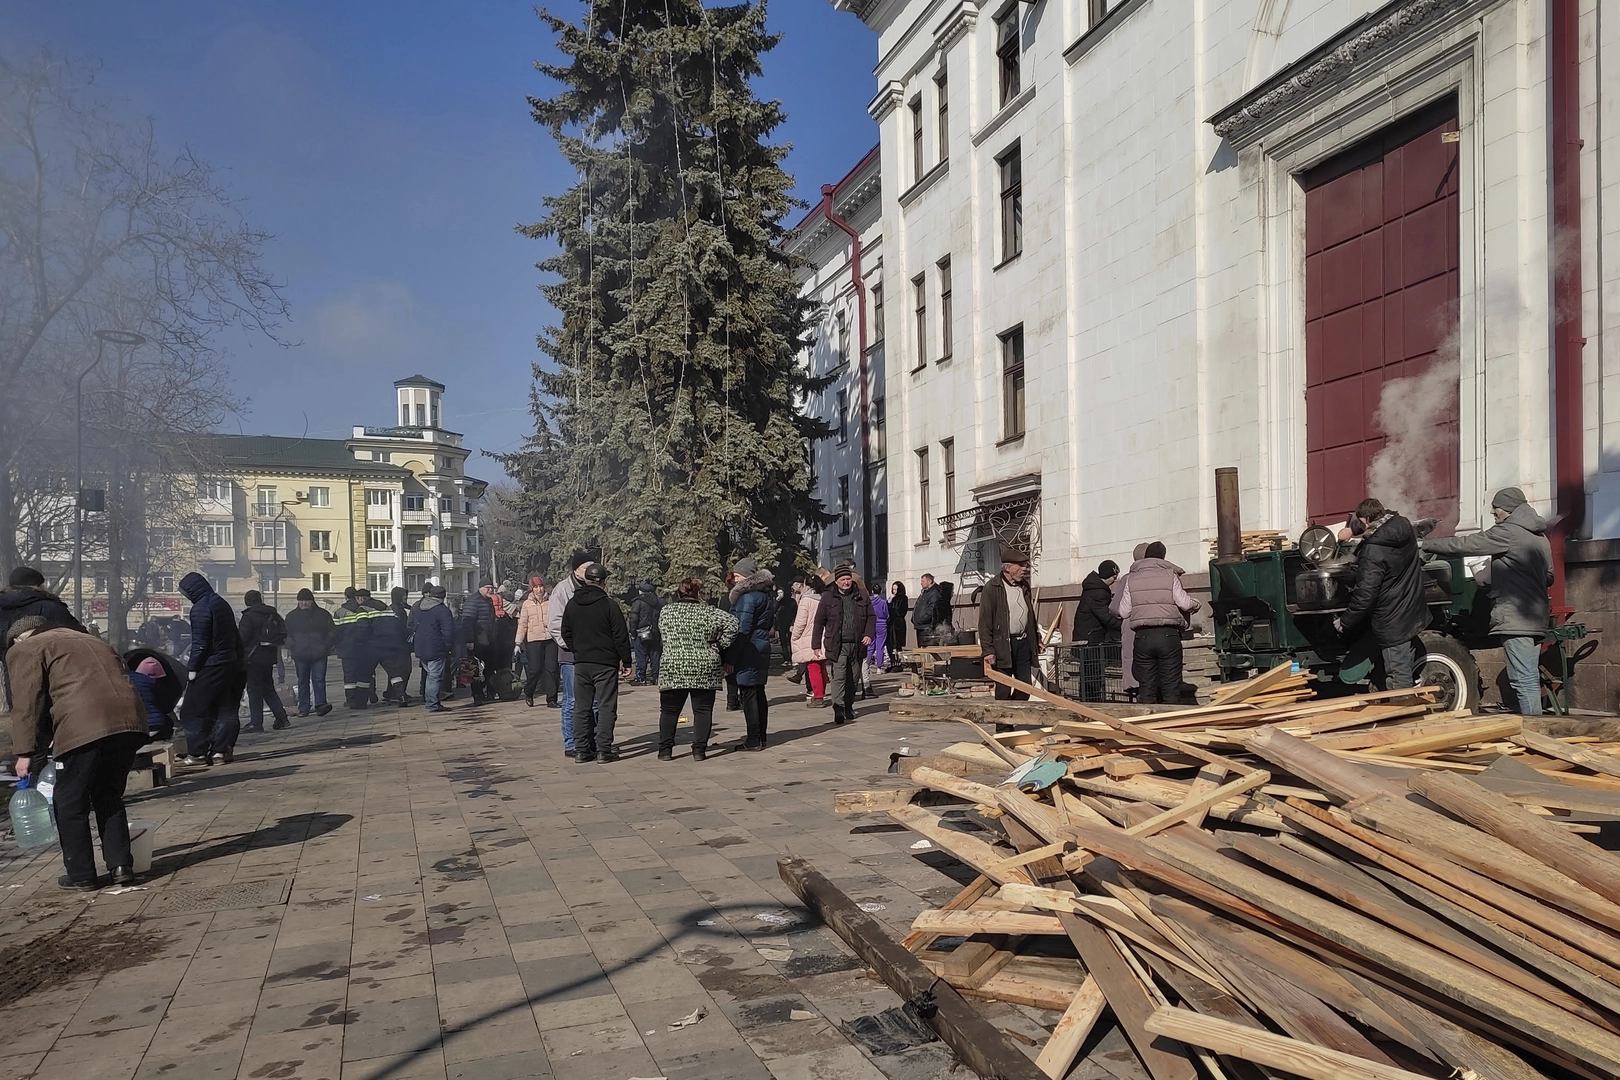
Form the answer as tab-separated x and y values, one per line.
844	627
1521	572
1007	622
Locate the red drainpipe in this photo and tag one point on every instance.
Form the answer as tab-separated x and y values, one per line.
1568	341
827	192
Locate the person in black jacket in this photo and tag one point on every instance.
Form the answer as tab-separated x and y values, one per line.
844	627
644	643
353	621
594	630
263	631
1388	597
216	677
1094	620
310	637
393	636
28	596
899	608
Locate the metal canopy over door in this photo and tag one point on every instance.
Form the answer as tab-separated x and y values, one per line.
1381	292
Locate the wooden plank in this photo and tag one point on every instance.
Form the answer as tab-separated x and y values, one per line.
868	802
1010	757
1596	760
1264	1048
970	895
1070	1034
962	788
1389	736
1057	850
1484	731
1484	854
1019	987
1198	805
1586	863
968	923
1327	771
1236	692
1455	1044
975	1040
970	849
965	959
1411	959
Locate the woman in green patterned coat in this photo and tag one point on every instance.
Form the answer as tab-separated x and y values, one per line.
693	634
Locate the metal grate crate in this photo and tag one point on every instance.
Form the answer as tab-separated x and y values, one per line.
1089	672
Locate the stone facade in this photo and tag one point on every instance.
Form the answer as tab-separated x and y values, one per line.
1160	283
857	497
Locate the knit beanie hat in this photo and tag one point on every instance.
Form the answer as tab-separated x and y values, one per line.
305	594
24	577
745	567
151	667
1509	499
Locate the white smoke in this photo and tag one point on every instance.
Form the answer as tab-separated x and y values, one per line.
1417	416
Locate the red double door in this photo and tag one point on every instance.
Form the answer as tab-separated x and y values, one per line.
1381	292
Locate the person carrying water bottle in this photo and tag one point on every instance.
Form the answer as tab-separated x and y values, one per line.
72	699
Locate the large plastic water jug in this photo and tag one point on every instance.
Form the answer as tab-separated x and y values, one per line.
31	818
46	784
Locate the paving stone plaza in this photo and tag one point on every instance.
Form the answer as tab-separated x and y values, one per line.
392	896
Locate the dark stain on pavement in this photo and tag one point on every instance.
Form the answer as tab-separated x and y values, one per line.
726	841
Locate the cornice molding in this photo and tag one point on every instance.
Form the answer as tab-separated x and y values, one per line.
1361	48
957	25
888	99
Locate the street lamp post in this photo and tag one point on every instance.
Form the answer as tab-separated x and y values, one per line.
275	546
117	337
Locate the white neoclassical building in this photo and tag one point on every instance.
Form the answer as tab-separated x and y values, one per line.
1348	247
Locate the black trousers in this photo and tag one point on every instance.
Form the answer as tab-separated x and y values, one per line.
756	710
540	668
596	707
261	691
92	778
551	684
1156	664
208	711
1018	665
670	703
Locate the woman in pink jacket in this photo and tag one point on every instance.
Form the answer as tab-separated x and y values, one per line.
539	650
814	660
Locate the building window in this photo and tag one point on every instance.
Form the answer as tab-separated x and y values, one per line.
320	540
269	581
320	582
919	286
877	312
843	506
843	338
58	533
942	87
1012	203
320	496
416	502
266	504
101	584
216	534
1012	382
947	459
1007	54
916	139
843	417
379	497
379	539
446	504
1098	11
433	406
421	414
416	582
214	489
269	534
382	455
922	492
379	581
447	464
880	432
415	541
404	414
945	308
160	583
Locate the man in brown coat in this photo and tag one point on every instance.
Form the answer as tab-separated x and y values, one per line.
1008	629
72	698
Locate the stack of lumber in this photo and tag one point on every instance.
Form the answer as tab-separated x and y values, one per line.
1254	543
1349	889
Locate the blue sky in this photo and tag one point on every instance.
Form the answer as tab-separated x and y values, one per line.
389	147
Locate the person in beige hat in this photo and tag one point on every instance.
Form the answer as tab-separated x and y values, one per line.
1007	622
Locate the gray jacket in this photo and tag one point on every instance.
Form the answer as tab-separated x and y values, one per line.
1521	570
558	601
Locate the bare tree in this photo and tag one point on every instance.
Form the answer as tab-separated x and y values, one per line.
101	226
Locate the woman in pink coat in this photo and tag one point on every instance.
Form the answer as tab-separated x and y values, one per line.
814	660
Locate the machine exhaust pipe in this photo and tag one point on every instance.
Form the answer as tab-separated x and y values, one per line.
1228	518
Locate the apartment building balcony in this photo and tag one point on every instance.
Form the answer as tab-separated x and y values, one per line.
450	519
278	556
417	517
460	560
219	554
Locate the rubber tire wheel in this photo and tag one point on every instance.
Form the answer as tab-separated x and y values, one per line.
1455	666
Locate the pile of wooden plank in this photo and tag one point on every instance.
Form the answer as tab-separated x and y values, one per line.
1350	889
1256	542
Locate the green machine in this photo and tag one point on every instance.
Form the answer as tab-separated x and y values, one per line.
1278	606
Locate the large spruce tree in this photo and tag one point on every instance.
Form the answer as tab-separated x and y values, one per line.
667	433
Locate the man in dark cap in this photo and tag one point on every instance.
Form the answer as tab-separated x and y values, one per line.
310	636
1007	622
27	595
353	623
844	627
1521	572
594	631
